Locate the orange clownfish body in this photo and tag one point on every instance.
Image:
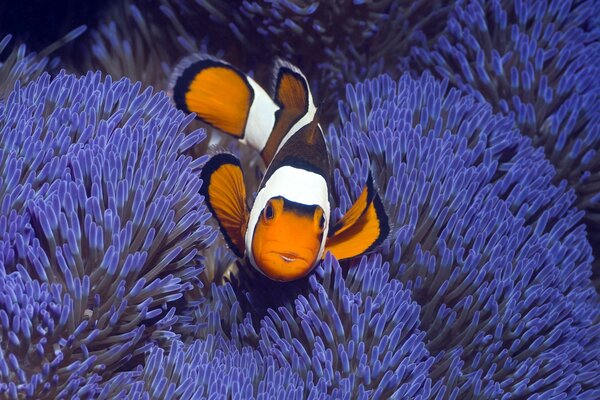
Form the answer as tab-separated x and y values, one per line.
287	230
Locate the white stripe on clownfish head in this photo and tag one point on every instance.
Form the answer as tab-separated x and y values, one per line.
294	184
261	118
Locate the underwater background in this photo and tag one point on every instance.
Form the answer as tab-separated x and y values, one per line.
480	120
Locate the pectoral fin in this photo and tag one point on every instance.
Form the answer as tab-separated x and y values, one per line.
225	194
363	227
357	209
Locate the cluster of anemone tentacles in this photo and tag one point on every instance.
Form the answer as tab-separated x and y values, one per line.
114	282
100	229
536	61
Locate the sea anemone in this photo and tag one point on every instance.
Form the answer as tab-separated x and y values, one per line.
207	368
23	66
144	44
355	336
332	43
347	337
536	61
141	43
491	250
18	65
101	226
112	283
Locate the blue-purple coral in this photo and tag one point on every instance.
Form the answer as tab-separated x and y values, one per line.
101	227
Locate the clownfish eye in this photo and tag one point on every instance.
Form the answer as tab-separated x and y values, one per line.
268	211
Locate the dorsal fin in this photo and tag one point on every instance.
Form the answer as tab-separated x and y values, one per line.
234	103
290	87
291	93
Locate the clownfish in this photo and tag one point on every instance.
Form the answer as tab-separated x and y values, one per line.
288	229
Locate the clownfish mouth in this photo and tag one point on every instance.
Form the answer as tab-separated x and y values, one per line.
288	257
284	265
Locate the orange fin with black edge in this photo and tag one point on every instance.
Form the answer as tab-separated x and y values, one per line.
291	92
290	88
215	90
357	209
362	228
224	192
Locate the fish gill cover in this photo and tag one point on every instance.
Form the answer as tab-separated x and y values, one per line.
112	284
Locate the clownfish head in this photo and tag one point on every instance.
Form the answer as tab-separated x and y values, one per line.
288	237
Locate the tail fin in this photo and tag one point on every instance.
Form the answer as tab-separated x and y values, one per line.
223	97
234	103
